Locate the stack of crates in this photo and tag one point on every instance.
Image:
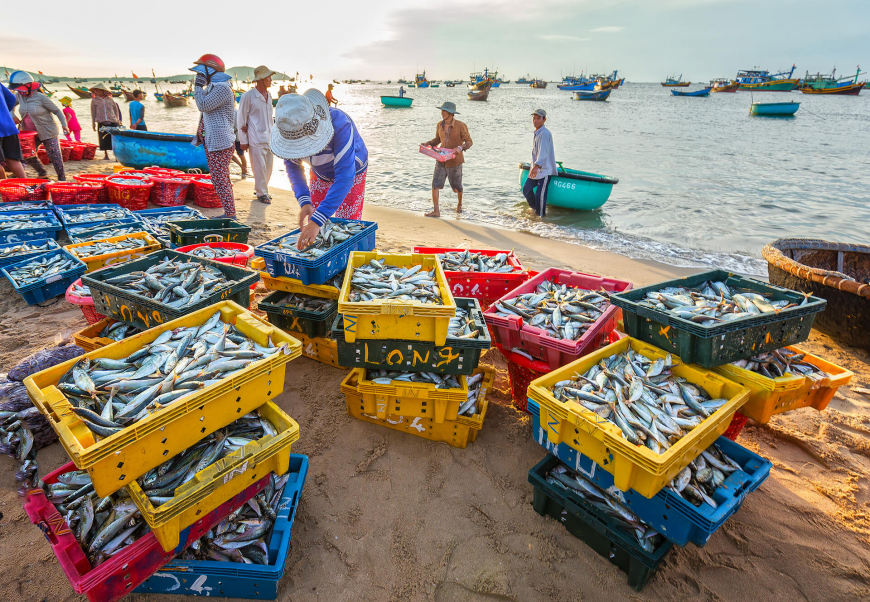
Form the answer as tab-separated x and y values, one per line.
412	337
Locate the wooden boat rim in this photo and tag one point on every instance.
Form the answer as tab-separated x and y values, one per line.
576	174
774	255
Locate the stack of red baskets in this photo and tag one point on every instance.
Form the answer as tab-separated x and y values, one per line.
89	151
80	193
16	190
204	194
95	178
133	195
27	140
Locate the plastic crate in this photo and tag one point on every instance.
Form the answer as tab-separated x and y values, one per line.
16	190
291	285
108	232
9	260
735	427
666	512
393	318
511	332
50	286
113	462
25	205
456	356
320	349
232	579
142	312
122	573
96	262
188	232
204	194
79	229
484	286
157	219
169	191
458	433
711	346
133	195
89	151
321	269
77	152
82	215
27	140
66	152
594	528
220	481
405	398
771	396
93	178
86	304
242	258
52	231
88	338
633	467
312	324
78	193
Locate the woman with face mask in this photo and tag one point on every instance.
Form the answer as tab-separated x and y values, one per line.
36	110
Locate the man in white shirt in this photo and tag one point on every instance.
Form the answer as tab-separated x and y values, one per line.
543	165
254	120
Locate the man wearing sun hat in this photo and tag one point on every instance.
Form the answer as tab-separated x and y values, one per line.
450	133
308	130
254	122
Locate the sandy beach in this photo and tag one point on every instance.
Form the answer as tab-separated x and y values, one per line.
387	516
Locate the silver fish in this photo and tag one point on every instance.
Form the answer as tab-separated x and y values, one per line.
466	261
379	281
330	234
712	303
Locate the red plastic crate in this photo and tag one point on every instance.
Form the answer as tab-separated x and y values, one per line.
86	304
169	190
95	178
12	190
66	152
79	193
27	140
204	194
511	332
133	196
737	424
89	152
122	573
43	156
243	257
484	287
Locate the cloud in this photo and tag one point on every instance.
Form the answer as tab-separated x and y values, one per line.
561	38
607	29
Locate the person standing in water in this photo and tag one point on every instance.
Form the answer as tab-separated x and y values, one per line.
543	165
137	112
452	134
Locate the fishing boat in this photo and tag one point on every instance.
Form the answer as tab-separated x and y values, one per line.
431	85
760	80
573	82
174	100
81	92
592	95
724	85
675	82
617	83
538	83
128	96
831	84
694	94
524	80
480	90
481	78
774	109
396	101
139	149
836	272
574	189
158	96
420	80
450	84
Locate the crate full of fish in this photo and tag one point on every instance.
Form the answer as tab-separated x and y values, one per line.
166	285
320	349
331	289
235	253
176	493
424	394
467	338
104	548
103	332
114	250
237	559
322	259
76	215
31	225
158	219
126	408
784	380
458	432
101	231
600	521
44	276
556	316
25	205
637	411
484	274
16	252
717	317
298	313
191	231
692	506
395	296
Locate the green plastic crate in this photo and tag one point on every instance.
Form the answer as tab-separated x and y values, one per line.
312	324
207	230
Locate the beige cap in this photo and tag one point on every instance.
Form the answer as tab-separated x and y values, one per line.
100	86
262	72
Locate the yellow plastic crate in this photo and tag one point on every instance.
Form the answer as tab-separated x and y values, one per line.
292	285
771	396
321	349
411	399
633	467
116	461
457	433
394	319
100	261
221	481
87	338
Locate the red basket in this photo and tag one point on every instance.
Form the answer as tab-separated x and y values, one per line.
77	152
165	172
169	191
737	424
95	178
204	194
89	151
485	287
65	152
43	156
133	196
190	177
86	304
27	140
80	193
15	190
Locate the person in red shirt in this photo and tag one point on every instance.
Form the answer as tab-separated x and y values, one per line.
330	99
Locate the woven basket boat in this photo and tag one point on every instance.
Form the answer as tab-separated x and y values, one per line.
837	272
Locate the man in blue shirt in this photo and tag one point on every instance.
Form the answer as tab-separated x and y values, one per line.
137	112
543	165
10	147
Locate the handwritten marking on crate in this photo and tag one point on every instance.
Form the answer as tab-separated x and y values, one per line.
291	271
350	323
448	355
309	350
664	331
235	472
415	424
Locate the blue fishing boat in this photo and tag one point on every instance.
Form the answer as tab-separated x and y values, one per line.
696	93
574	189
420	80
573	82
592	95
774	109
158	96
138	149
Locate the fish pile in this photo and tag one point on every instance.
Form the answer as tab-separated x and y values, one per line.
41	267
242	536
130	180
105	232
714	302
774	364
642	397
563	477
462	325
102	526
205	181
95	249
95	215
23	217
111	394
474	383
22	433
377	280
159	484
565	312
330	235
34	224
26	206
213	252
466	261
697	482
25	247
305	302
81	290
118	331
387	377
174	283
157	223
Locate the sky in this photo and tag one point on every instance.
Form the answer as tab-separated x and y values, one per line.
645	40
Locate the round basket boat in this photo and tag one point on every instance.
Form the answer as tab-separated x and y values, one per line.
837	272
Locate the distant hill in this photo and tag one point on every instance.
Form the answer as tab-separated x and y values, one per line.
245	73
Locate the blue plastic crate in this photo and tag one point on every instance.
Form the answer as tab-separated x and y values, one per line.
231	579
19	258
158	230
75	229
49	287
317	271
672	516
47	215
64	212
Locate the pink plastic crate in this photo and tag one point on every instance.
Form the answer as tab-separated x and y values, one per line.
511	332
442	155
484	287
121	574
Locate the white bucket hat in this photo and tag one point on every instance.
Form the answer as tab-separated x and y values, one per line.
303	126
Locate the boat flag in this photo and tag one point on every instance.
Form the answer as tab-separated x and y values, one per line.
40	72
135	76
